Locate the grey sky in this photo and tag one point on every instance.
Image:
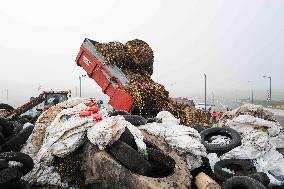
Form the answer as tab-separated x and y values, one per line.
231	41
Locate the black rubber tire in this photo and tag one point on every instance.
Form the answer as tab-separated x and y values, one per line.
154	120
242	182
29	117
2	138
23	120
130	158
3	164
128	138
243	167
32	121
6	107
9	174
26	160
261	177
15	143
280	150
135	120
17	127
21	184
7	127
216	148
198	127
119	112
162	165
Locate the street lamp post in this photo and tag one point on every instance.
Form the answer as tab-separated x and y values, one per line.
80	79
251	92
270	96
205	104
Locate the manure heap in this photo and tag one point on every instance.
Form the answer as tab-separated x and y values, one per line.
135	59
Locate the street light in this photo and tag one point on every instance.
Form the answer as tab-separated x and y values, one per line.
80	79
251	92
270	97
205	104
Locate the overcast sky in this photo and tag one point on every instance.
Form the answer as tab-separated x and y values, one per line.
231	41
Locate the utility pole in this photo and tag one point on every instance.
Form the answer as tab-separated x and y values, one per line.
205	104
7	95
251	92
270	96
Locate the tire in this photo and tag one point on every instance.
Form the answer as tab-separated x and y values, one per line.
119	112
17	127
198	127
128	138
111	172
21	184
130	158
135	120
6	107
23	120
15	143
162	165
26	160
261	177
9	174
3	164
242	182
216	148
2	138
7	127
154	120
243	167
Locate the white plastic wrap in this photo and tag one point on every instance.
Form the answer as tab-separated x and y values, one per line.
185	140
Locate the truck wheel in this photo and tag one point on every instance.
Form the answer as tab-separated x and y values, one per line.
6	107
235	140
26	160
242	182
241	167
130	158
135	120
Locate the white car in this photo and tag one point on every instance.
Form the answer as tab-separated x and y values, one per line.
201	106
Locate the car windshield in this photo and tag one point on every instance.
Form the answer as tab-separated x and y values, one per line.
52	99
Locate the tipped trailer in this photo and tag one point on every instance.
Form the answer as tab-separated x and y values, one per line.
110	78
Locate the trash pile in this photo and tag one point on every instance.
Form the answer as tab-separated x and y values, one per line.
136	59
80	144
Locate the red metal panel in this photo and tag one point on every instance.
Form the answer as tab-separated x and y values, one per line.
121	100
100	78
110	90
86	62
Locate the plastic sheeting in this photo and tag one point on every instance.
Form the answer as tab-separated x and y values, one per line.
260	138
185	140
63	135
67	131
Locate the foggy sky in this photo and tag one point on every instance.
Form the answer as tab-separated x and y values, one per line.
231	41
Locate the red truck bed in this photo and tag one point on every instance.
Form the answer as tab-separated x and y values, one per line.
109	77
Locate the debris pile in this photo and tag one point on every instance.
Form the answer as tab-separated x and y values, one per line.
136	59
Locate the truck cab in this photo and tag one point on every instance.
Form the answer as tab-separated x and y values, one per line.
51	98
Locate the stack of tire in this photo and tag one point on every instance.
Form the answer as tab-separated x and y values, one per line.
157	168
12	137
242	172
